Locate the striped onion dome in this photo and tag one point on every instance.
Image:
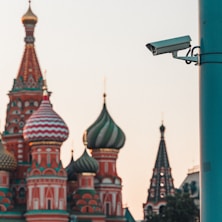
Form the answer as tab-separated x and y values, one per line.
29	17
86	164
104	133
7	160
45	124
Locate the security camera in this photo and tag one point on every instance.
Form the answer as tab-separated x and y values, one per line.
169	45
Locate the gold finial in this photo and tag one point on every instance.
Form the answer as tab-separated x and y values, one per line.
29	16
104	94
44	81
104	97
85	139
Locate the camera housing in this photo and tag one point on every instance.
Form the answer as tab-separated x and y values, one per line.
169	45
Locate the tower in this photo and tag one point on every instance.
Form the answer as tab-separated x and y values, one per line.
24	98
105	139
161	183
33	135
45	132
72	181
87	203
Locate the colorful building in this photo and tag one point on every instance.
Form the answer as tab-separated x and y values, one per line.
34	185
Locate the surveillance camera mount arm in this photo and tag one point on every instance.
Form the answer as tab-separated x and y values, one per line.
174	45
188	59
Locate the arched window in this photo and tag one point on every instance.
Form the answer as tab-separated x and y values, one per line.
30	158
107	209
22	192
161	210
149	209
49	204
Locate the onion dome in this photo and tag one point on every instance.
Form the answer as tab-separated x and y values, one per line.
104	133
45	124
7	160
71	170
86	164
29	17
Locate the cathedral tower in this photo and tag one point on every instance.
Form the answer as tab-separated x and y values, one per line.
161	183
45	132
86	200
105	139
24	98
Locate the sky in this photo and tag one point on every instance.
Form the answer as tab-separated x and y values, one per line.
82	42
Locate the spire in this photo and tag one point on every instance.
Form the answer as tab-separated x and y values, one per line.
29	19
162	129
161	184
162	157
29	76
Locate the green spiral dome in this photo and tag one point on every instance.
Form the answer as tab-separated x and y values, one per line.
86	164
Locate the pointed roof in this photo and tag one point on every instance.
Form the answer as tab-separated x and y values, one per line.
29	76
104	132
161	183
128	216
162	157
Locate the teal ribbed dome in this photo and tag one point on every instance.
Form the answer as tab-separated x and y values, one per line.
104	133
86	164
71	170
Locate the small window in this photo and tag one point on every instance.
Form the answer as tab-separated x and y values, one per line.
49	204
22	192
107	209
36	204
162	195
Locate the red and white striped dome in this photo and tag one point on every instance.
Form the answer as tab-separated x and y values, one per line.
45	124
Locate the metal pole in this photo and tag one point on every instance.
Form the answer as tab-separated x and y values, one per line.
210	19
